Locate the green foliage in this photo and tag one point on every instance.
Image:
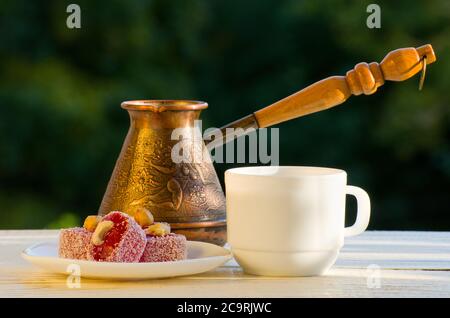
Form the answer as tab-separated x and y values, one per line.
65	220
61	126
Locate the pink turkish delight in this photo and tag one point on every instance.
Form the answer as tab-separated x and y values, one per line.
74	243
169	247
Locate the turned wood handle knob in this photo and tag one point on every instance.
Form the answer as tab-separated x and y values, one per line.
365	78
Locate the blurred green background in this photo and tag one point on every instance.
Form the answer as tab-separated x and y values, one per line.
61	126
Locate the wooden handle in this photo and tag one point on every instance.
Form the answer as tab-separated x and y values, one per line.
398	65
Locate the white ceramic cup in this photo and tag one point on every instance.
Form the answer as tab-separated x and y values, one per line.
290	221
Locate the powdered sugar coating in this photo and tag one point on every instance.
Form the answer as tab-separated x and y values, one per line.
130	246
170	247
74	243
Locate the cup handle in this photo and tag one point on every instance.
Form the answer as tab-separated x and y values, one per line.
363	214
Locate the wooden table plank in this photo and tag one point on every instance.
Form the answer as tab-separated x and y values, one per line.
404	264
397	250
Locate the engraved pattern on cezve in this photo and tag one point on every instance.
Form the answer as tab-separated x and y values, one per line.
146	176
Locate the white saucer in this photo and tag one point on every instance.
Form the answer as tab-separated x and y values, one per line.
202	257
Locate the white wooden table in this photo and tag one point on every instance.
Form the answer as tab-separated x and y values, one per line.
375	264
